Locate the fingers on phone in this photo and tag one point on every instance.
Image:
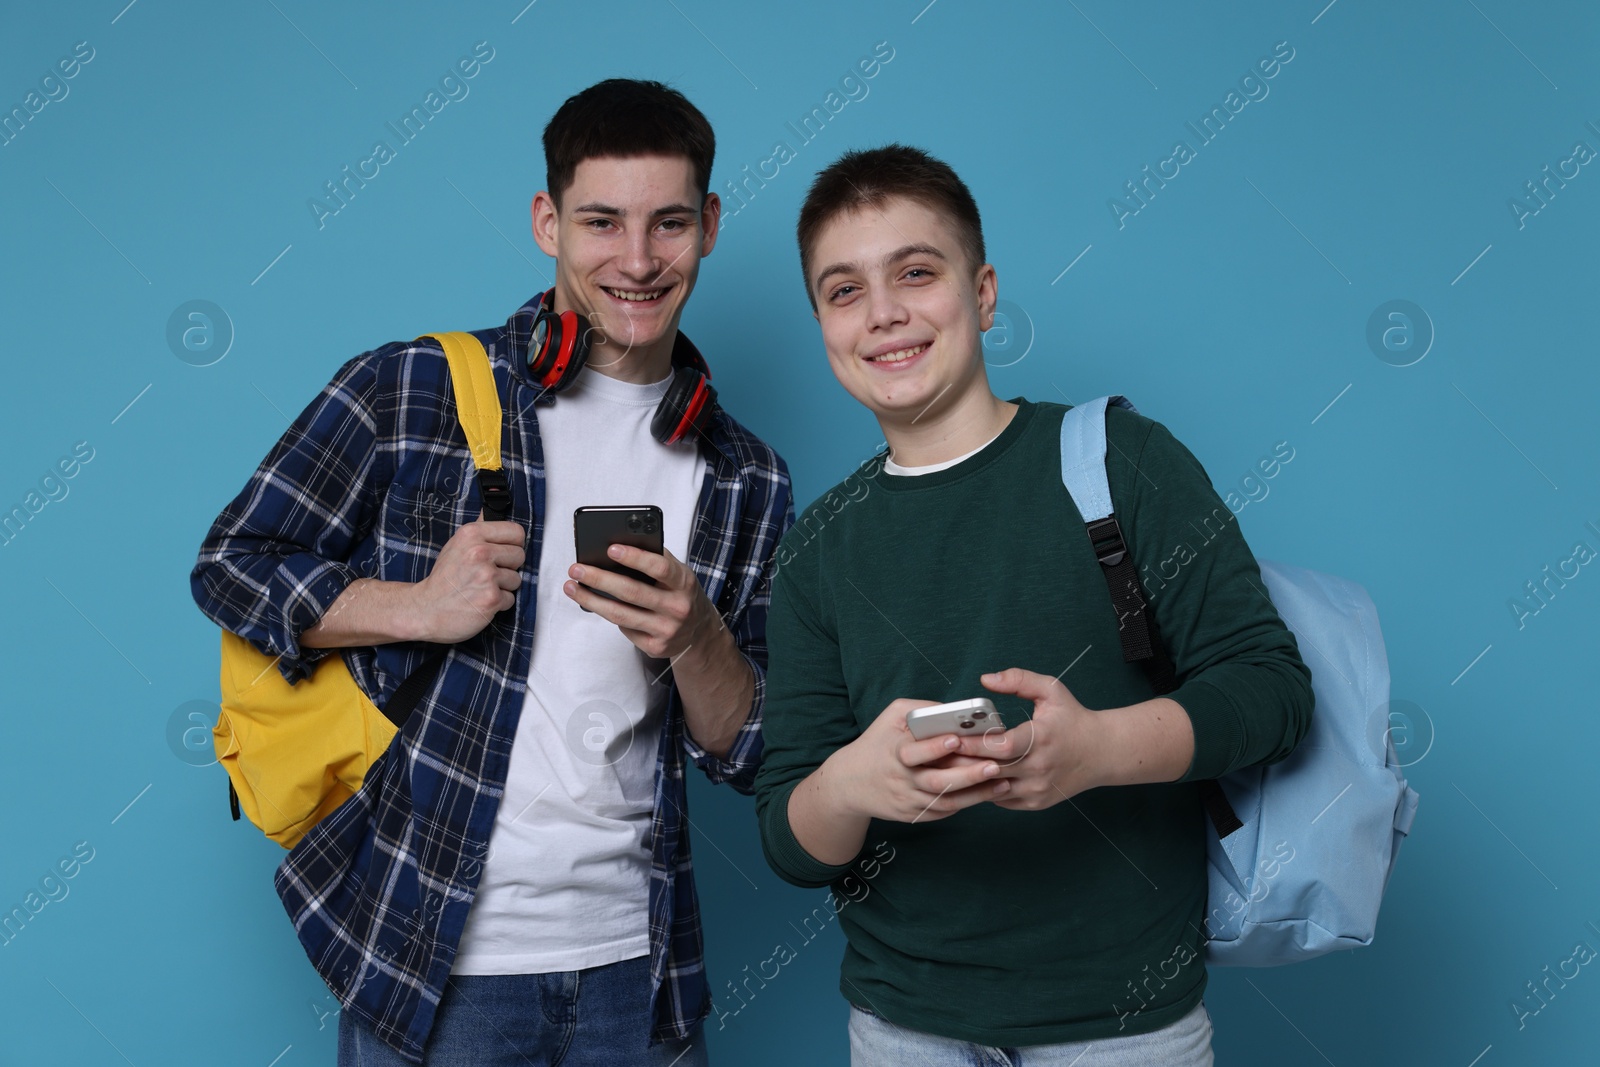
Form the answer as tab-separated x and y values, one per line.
915	753
995	744
955	777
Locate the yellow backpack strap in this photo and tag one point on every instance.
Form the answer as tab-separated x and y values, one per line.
478	407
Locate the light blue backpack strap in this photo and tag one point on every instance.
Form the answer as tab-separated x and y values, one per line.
1083	455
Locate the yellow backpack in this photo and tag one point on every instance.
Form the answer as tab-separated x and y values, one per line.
294	753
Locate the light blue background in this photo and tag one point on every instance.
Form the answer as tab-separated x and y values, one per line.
1233	307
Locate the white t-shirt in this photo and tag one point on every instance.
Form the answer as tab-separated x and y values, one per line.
891	467
566	882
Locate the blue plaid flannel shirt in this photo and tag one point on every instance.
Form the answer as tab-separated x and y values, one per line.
371	481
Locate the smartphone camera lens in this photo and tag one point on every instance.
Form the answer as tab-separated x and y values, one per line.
967	724
635	524
980	715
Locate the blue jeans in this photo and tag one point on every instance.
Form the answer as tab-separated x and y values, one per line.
877	1042
599	1017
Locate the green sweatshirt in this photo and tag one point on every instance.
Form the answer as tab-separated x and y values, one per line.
1012	928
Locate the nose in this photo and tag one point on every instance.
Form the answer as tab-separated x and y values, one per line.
639	259
884	307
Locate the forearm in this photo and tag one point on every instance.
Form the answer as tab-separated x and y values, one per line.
369	612
1152	741
821	824
717	687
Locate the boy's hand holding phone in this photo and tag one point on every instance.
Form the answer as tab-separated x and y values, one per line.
888	774
1066	749
885	773
662	619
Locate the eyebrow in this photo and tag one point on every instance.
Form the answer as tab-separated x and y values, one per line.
622	213
904	252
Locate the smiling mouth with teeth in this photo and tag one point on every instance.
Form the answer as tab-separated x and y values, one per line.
900	356
635	296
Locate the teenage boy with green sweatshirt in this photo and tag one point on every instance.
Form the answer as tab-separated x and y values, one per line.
1045	901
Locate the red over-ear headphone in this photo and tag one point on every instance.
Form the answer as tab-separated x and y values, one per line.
558	349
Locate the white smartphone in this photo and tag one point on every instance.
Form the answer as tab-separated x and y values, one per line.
976	716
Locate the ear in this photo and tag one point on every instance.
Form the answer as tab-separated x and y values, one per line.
710	223
988	286
546	224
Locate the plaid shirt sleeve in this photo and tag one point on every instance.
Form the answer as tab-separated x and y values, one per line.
738	768
277	557
768	515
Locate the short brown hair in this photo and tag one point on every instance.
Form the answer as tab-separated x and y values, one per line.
872	176
626	117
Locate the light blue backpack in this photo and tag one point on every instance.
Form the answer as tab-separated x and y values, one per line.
1299	851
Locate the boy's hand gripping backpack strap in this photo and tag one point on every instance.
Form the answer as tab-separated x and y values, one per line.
478	410
1083	471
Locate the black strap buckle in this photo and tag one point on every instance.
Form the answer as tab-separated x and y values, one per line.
495	493
1105	537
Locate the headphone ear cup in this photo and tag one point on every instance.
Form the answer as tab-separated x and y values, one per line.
577	328
546	335
558	349
685	409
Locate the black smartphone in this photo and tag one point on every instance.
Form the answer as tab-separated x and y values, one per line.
597	528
